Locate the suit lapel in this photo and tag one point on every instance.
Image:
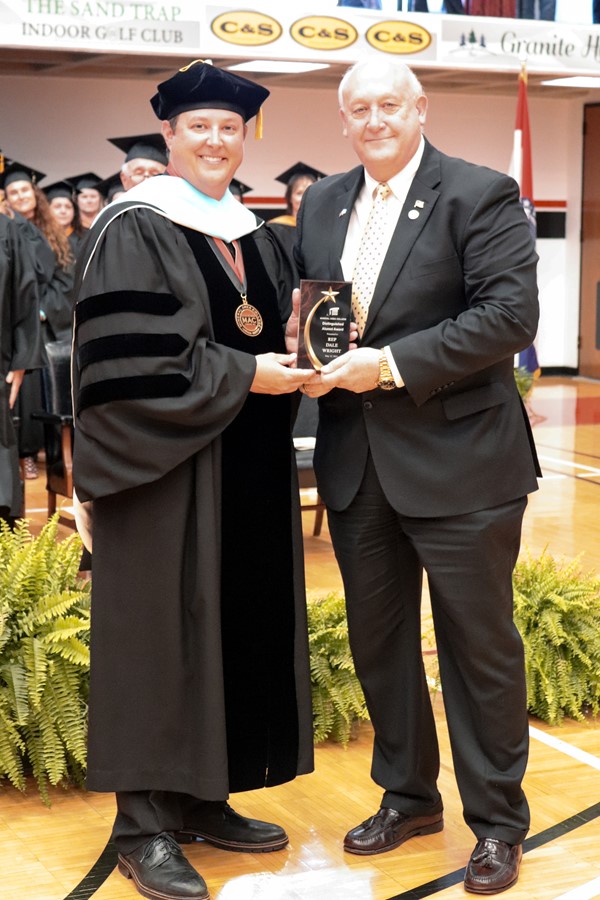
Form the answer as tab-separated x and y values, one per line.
421	198
342	210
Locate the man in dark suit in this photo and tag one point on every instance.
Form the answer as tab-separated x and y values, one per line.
424	458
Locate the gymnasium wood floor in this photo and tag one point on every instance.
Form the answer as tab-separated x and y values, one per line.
58	853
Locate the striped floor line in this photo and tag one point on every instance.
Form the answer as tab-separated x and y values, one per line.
585	892
564	747
95	878
578	470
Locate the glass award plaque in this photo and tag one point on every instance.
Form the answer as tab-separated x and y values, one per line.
324	328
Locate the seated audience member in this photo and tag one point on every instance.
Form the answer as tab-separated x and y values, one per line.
88	197
112	187
53	261
20	350
296	179
145	156
61	197
238	189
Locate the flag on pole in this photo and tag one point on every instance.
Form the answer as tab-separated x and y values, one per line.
522	171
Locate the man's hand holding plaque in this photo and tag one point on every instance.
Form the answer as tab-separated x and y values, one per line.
323	322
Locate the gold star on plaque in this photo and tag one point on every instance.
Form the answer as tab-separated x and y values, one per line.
329	295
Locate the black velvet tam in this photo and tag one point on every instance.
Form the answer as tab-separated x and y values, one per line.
200	85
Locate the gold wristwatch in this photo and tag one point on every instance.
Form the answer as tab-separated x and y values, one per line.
386	380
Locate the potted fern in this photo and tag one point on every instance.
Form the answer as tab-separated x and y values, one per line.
337	697
557	611
44	657
524	379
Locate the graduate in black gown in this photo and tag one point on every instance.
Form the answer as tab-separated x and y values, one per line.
89	197
297	179
20	350
183	379
49	247
61	198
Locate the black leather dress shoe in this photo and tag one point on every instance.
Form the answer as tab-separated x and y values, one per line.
388	829
493	867
160	871
219	824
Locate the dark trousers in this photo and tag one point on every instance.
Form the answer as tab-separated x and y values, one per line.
469	561
5	514
526	9
454	7
30	399
141	815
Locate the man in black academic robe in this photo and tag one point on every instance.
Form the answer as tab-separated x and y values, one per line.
200	680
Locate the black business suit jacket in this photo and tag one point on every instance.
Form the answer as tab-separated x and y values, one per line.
456	298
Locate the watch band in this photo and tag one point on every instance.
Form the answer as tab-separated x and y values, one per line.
386	378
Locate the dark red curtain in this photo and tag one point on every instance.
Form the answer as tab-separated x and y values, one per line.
506	8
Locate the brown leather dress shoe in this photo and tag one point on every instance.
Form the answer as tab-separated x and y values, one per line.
388	829
493	867
218	824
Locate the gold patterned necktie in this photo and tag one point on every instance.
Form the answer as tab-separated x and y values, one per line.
369	257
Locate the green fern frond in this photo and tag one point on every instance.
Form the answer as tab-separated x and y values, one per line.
524	380
12	747
338	700
67	626
74	651
36	663
53	750
44	656
322	715
68	711
50	608
35	755
14	677
557	611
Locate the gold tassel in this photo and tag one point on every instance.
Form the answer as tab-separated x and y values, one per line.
207	62
1	164
258	126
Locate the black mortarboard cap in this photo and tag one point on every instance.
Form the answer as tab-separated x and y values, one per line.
11	170
200	85
85	181
111	186
238	187
142	146
299	168
59	189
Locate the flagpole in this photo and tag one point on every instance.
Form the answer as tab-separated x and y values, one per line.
521	169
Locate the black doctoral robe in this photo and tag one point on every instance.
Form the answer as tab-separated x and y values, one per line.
284	230
200	681
55	290
55	284
20	348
